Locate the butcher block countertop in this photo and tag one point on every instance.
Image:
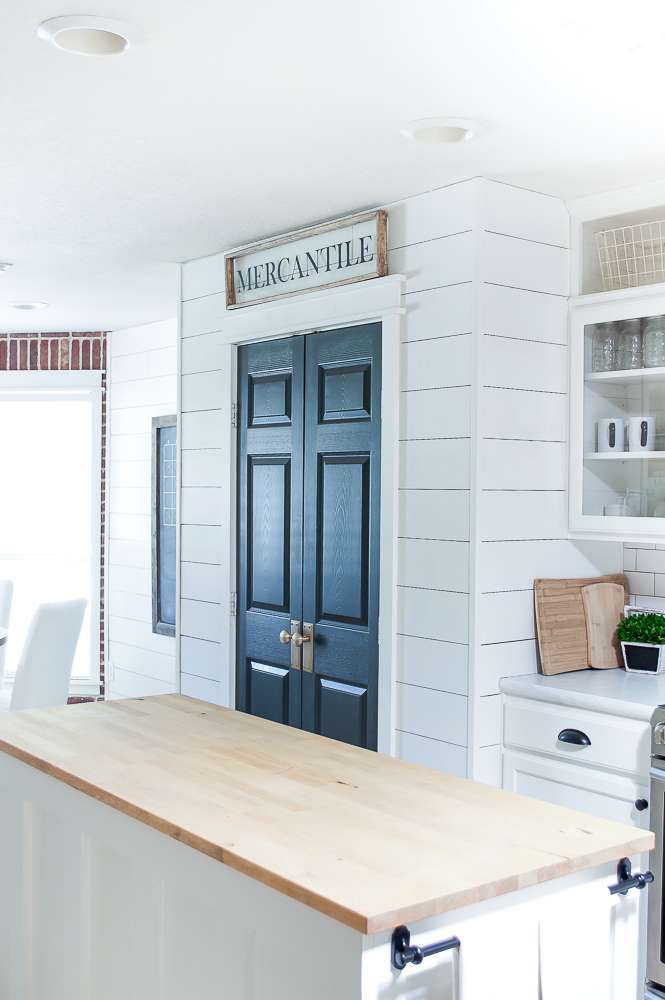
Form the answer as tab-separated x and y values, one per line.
366	839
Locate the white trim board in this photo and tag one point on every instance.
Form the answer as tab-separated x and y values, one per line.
375	301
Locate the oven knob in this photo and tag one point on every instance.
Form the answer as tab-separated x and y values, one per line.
659	734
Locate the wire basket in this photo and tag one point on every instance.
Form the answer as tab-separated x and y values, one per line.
632	255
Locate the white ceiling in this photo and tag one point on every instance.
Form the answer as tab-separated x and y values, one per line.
232	121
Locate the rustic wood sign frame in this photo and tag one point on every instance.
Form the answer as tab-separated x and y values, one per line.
379	257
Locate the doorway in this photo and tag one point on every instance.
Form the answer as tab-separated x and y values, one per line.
309	451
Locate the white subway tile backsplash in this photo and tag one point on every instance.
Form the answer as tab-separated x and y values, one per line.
650	561
629	559
641	584
659	585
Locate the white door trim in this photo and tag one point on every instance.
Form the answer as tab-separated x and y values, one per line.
372	301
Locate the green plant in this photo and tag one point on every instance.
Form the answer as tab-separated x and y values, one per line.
642	628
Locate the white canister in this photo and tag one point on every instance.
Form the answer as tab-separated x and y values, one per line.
610	435
641	433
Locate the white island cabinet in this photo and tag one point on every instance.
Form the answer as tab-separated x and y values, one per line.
166	849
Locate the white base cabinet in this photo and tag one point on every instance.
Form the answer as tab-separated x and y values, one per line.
97	906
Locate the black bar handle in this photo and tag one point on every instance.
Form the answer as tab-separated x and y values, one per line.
626	880
403	953
574	736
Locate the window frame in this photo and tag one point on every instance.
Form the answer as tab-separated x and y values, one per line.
75	385
159	627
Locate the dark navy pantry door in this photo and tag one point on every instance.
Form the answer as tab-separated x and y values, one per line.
308	531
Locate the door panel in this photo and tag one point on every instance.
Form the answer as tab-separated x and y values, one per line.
308	530
341	531
270	417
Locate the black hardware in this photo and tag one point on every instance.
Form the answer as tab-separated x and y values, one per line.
641	804
574	736
643	434
612	429
402	951
626	879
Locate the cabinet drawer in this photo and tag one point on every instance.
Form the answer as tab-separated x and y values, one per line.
611	796
619	744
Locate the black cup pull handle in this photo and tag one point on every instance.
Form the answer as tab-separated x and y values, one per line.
612	431
643	434
574	736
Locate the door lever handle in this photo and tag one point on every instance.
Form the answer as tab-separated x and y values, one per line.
299	639
285	637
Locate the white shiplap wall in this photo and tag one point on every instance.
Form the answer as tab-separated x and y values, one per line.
142	383
483	452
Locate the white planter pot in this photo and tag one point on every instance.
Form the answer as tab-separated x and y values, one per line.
643	657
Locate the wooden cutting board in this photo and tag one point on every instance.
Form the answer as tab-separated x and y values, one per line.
561	621
603	608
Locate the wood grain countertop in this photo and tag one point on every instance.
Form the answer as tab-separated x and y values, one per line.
366	839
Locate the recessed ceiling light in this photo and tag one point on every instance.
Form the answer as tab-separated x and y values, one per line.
5	265
86	35
27	306
440	131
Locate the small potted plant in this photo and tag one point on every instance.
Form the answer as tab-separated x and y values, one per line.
642	640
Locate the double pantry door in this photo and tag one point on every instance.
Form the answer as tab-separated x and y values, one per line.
309	431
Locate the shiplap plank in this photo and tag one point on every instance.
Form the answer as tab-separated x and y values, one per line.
201	582
433	614
147	662
506	617
202	429
529	416
437	714
201	688
202	354
524	364
488	766
514	312
488	720
130	527
436	465
446	261
433	364
129	475
435	413
132	579
131	447
138	419
505	659
204	391
203	315
522	465
129	684
505	260
203	276
125	605
201	620
434	514
129	500
515	514
153	392
200	506
430	663
201	544
126	553
138	633
431	753
438	312
435	565
515	565
149	364
201	658
432	215
150	337
514	211
203	468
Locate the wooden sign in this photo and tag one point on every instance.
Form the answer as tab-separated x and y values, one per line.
338	253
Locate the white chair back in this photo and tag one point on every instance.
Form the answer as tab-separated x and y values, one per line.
6	594
43	672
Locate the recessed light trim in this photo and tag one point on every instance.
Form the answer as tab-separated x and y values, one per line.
440	131
87	35
28	306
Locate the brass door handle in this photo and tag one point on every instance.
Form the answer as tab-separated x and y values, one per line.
299	639
285	637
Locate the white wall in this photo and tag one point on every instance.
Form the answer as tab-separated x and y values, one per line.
645	567
142	383
483	461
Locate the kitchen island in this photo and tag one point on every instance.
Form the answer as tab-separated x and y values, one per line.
167	849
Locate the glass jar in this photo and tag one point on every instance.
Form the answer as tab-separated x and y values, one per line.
630	345
653	345
605	355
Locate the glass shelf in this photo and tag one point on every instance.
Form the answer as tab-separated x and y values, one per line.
624	456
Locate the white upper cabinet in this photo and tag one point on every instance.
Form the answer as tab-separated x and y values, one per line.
617	378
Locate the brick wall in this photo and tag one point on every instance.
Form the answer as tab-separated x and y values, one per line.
48	352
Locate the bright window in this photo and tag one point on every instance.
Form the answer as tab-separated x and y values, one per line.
50	504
